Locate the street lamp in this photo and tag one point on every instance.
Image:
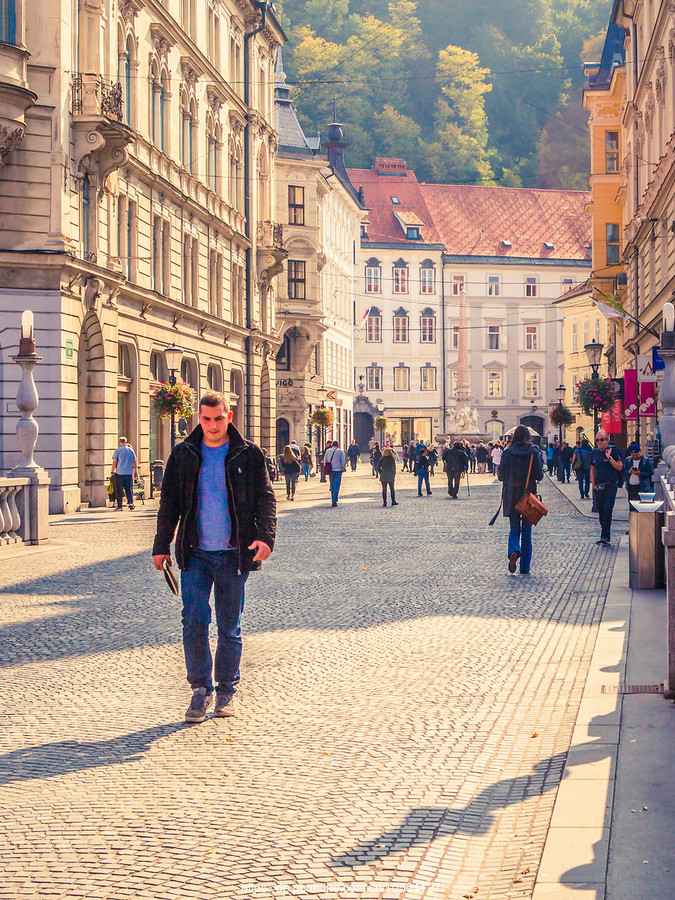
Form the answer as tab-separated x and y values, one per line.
594	354
322	395
173	356
379	406
560	392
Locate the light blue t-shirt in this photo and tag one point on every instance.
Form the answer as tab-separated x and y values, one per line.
213	516
125	457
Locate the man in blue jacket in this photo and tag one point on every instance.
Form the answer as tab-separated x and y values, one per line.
639	473
606	464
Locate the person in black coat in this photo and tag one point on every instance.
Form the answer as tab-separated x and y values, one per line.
454	461
513	471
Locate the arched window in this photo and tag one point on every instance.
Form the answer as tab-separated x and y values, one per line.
428	326
401	330
125	382
427	277
211	155
374	326
125	56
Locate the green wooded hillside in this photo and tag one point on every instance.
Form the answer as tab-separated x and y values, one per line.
467	91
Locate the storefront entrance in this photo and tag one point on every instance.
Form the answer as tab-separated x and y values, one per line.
405	430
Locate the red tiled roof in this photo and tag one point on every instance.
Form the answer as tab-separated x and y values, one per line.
377	193
476	220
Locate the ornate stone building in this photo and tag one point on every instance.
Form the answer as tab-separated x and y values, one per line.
136	214
321	214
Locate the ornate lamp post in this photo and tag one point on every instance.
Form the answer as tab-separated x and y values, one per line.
322	446
560	393
173	356
594	354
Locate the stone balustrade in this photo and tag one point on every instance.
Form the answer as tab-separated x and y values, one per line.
15	526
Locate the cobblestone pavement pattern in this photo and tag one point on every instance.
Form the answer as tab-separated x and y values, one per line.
406	708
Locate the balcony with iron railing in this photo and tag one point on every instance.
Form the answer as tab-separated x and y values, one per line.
101	135
93	95
270	236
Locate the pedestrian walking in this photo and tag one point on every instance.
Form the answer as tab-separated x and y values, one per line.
217	492
375	457
481	458
386	469
496	455
513	473
353	452
454	463
336	459
606	466
432	453
566	454
291	468
549	458
639	473
322	457
295	448
582	465
269	464
404	456
306	460
125	470
472	458
422	472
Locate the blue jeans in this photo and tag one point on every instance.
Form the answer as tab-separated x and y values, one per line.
335	482
584	477
124	484
423	477
305	470
520	540
566	470
217	568
604	500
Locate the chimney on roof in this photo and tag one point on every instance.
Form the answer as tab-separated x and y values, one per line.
389	166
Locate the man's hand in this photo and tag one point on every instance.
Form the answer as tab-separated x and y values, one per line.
158	561
262	549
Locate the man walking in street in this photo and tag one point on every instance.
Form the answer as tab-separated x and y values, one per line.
125	470
606	464
353	453
566	454
336	459
217	491
454	463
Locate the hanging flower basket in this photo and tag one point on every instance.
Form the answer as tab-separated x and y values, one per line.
178	399
322	416
595	393
561	415
381	423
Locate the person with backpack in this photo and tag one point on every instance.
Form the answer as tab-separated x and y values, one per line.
386	469
606	478
422	472
520	470
291	468
639	472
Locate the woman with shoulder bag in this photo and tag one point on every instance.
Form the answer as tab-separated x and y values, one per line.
291	471
520	458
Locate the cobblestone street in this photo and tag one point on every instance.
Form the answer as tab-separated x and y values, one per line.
407	706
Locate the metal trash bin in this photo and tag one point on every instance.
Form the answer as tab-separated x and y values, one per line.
646	553
157	469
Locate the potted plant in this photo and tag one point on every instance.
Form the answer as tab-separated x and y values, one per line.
173	399
595	393
322	416
561	416
381	423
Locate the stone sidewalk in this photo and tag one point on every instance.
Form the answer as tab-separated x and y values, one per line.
407	707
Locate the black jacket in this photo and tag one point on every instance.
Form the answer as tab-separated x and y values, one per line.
386	469
250	498
513	472
454	459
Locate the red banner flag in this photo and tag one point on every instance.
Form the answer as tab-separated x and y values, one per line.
630	395
647	401
611	420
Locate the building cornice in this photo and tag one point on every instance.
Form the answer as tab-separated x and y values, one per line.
516	261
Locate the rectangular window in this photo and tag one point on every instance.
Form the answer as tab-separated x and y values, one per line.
494	286
428	329
157	254
531	337
374	378
374	329
458	285
296	279
567	284
427	281
575	337
613	245
195	271
494	384
401	378
373	280
428	378
532	384
187	275
596	331
296	205
531	287
455	337
587	332
611	151
494	337
400	329
400	280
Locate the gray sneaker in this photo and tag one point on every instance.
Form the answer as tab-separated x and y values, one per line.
199	705
224	706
